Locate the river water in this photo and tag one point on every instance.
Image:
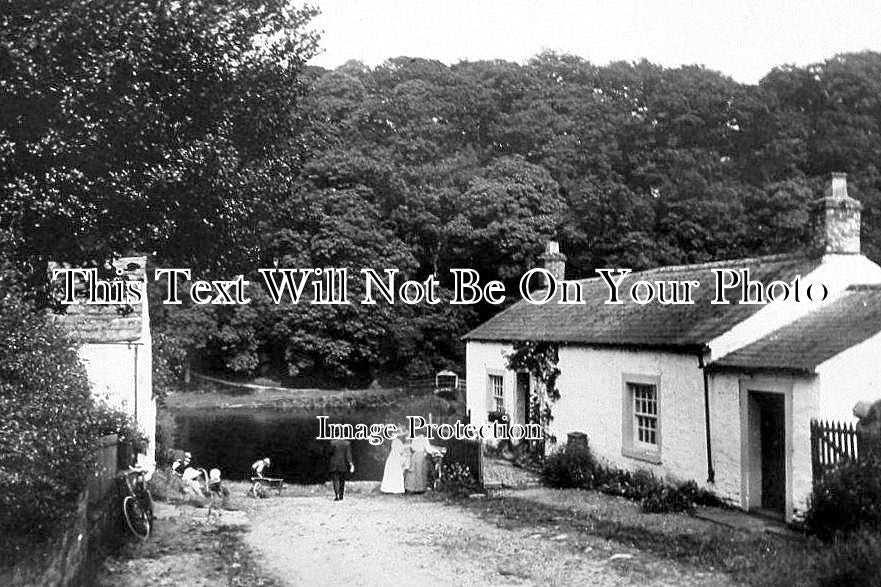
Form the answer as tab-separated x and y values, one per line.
232	439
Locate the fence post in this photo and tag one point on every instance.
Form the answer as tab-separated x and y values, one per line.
815	457
105	467
480	448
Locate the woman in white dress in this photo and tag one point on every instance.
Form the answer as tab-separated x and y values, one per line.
393	475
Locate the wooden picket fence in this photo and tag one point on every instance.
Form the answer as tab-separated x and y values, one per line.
831	444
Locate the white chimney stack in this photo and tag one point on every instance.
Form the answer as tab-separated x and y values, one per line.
554	261
836	220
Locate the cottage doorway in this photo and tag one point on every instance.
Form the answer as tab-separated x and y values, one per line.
522	398
767	429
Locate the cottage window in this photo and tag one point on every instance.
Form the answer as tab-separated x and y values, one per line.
645	413
497	392
641	433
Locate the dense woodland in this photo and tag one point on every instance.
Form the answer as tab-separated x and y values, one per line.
164	128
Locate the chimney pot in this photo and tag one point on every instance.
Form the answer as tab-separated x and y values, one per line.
839	185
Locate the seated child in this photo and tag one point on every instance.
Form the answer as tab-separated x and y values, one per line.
194	481
179	464
215	485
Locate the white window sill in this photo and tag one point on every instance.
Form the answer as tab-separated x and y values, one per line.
649	456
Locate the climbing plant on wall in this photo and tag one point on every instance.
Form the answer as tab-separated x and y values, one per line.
540	360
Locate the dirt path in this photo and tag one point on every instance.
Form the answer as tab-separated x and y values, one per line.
187	548
374	539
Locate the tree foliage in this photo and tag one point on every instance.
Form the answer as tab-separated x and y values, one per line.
539	359
145	125
195	131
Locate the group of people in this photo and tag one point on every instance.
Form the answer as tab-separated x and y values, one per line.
408	469
408	465
199	482
195	479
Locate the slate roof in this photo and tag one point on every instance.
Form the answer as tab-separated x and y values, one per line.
815	338
650	325
106	324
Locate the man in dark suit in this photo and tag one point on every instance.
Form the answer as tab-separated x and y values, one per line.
340	464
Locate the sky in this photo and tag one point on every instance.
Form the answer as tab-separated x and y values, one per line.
740	38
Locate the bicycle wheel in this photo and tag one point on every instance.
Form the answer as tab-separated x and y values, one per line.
136	519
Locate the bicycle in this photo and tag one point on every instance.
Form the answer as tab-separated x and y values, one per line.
436	472
137	503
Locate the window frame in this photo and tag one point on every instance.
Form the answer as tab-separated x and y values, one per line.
491	375
631	446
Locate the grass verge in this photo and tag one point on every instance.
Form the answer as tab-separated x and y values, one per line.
752	558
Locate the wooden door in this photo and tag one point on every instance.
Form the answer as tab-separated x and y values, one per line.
772	430
522	416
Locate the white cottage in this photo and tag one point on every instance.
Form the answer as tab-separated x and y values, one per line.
719	394
116	350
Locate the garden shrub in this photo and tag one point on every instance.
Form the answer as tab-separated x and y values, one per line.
49	425
665	498
108	420
46	435
570	466
700	496
457	480
846	499
574	466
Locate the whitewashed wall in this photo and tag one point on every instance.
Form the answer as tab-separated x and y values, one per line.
805	405
591	384
121	375
480	357
727	401
853	375
591	387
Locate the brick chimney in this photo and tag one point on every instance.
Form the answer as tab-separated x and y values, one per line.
836	220
553	260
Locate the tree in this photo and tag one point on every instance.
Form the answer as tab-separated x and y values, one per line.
146	126
507	214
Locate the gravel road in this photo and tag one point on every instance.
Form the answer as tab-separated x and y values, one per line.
373	539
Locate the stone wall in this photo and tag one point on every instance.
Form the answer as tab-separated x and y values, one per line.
96	529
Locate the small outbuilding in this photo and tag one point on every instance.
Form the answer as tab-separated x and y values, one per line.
116	350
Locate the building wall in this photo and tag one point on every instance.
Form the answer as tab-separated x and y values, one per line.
480	358
805	406
121	375
592	401
591	388
731	446
591	385
852	376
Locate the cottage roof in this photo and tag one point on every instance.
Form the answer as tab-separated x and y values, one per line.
650	325
804	344
106	324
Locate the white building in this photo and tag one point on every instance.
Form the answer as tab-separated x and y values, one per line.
719	394
116	350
